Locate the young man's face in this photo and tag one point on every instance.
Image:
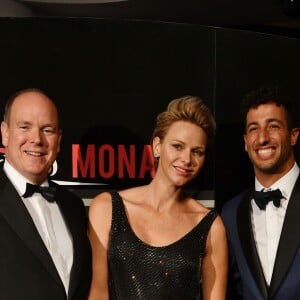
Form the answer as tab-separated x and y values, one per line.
268	139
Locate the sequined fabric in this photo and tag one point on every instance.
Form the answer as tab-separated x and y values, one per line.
139	271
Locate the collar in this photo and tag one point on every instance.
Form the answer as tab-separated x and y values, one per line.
18	180
285	183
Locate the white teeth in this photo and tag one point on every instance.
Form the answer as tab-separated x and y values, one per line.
34	153
265	151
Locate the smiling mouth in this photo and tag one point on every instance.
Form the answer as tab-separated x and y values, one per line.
34	153
183	171
265	153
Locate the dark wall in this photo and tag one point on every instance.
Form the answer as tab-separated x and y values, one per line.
245	61
110	79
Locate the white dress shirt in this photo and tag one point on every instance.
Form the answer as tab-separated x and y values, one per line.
267	224
49	223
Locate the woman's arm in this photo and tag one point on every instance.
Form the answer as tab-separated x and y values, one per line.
100	214
215	263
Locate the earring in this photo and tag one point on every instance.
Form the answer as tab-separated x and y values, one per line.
156	155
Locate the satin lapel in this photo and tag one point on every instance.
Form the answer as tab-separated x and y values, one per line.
16	215
72	223
248	243
289	240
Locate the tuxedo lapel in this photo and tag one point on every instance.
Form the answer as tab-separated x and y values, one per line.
248	244
73	225
289	240
18	218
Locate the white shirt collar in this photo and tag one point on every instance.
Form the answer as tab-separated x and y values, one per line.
285	183
18	180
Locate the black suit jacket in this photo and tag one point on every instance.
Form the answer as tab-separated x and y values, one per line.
26	268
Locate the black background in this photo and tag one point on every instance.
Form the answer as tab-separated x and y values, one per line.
110	79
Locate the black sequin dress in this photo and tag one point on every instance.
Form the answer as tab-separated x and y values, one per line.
140	271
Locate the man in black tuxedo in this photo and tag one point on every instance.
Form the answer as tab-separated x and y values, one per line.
44	249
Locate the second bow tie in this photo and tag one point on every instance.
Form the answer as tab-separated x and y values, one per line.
48	192
263	198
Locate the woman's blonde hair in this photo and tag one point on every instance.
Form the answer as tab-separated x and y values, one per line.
188	108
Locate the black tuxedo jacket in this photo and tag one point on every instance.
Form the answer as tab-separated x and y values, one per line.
26	268
245	264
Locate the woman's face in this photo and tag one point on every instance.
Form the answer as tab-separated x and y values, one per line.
181	152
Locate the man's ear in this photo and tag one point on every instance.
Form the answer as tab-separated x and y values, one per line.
4	133
294	136
246	149
59	139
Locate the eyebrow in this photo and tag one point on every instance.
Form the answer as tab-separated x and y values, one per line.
270	120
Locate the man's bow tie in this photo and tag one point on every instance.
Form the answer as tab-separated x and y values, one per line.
263	198
48	192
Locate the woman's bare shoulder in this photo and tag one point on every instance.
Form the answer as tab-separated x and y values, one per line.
133	195
198	207
101	204
100	217
218	228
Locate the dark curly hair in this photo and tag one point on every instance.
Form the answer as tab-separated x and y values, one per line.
269	94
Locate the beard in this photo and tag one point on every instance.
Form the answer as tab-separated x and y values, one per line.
277	164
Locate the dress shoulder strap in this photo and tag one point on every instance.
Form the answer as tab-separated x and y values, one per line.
206	223
119	217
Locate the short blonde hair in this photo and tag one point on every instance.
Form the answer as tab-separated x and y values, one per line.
187	108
